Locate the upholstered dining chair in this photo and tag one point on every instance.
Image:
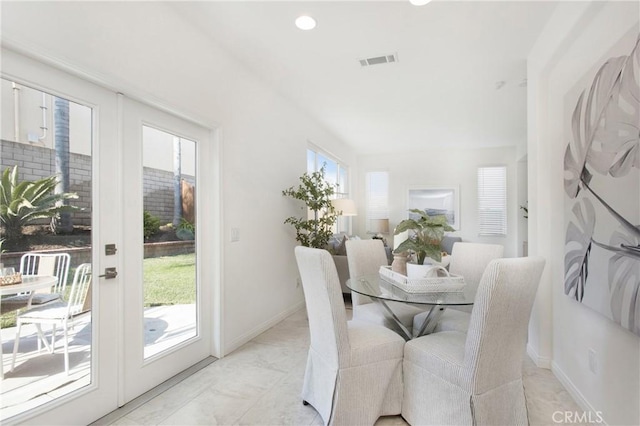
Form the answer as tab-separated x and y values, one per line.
60	313
365	258
468	260
56	264
453	378
354	369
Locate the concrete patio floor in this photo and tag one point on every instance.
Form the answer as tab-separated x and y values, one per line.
39	377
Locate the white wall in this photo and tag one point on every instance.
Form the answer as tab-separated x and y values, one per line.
578	38
144	50
442	167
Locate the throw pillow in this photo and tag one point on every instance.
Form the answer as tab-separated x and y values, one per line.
341	250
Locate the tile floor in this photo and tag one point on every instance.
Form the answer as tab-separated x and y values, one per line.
260	383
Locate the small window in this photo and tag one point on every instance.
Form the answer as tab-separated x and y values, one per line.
377	198
492	200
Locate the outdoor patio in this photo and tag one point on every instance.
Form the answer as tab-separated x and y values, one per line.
39	377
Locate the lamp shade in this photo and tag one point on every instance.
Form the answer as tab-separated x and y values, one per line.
399	239
345	207
379	226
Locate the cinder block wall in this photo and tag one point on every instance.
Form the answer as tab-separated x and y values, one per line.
36	162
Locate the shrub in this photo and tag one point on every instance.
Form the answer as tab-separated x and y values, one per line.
151	224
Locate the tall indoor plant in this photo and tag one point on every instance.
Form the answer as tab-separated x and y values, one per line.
316	194
426	236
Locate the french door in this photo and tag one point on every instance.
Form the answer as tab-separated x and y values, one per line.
151	303
167	325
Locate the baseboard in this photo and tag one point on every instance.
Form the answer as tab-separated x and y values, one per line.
264	326
573	391
539	361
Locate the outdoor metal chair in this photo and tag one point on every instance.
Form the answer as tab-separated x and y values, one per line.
56	265
57	313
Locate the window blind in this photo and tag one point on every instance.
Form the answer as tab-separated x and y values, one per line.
492	200
377	195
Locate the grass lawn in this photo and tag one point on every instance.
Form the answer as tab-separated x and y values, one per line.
168	280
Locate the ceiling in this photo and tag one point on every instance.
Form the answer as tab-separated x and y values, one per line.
460	79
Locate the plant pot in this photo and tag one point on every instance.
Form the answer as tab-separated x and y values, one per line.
418	271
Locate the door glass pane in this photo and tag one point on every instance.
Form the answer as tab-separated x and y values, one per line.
169	221
45	149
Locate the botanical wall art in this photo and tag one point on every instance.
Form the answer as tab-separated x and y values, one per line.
602	185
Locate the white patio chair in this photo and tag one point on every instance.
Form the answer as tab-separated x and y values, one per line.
56	265
57	313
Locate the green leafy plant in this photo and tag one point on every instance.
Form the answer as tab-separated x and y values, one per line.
426	237
151	224
316	194
24	202
186	230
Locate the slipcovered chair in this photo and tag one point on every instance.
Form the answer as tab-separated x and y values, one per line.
354	369
453	378
365	258
469	260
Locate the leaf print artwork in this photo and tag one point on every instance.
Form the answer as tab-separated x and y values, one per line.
578	248
601	159
624	282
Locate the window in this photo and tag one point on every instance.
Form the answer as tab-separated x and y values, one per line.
377	192
335	174
492	200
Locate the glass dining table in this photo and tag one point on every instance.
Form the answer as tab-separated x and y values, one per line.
382	291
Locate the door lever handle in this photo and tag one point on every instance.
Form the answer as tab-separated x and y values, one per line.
109	273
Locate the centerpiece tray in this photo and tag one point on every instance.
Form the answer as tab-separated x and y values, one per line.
443	282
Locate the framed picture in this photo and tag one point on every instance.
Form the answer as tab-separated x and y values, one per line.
436	201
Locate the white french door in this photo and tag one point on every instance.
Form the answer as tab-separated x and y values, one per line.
135	343
97	393
167	317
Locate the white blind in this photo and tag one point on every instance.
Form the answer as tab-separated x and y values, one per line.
492	200
377	195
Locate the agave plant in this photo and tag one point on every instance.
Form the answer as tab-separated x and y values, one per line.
428	232
23	202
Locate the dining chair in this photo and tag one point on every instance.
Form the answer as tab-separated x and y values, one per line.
365	258
56	265
354	369
453	378
470	261
58	313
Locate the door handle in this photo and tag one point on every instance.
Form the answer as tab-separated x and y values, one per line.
109	273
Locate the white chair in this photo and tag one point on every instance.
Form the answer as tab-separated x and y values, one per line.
468	260
453	378
365	258
56	265
354	369
57	313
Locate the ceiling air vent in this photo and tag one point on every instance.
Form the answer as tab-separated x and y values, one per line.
379	60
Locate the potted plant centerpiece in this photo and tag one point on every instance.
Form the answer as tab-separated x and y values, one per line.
424	238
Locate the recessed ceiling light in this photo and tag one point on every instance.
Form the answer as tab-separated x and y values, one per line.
419	2
305	22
